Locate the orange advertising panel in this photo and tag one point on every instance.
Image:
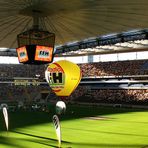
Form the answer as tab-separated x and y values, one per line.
22	54
43	53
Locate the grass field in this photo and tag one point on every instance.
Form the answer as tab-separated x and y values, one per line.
81	126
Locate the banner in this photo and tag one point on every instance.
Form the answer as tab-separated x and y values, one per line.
5	113
57	128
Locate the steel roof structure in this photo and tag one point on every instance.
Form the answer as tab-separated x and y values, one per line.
74	21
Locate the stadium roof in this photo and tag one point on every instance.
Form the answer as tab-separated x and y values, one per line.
74	21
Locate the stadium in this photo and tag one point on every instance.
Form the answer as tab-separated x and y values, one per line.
108	40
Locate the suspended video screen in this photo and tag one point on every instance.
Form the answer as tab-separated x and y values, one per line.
22	54
35	54
43	53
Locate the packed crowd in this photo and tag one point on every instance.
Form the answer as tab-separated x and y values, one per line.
13	92
114	68
88	69
123	96
10	92
20	70
81	94
129	96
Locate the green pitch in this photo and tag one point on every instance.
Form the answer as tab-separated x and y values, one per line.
81	126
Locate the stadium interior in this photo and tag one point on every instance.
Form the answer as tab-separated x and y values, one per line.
98	36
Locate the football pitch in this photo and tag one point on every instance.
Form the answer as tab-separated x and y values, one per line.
81	127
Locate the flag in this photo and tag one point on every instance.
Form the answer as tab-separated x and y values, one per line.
57	128
5	113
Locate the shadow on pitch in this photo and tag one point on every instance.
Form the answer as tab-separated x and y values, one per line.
80	111
105	132
27	118
36	136
24	118
11	142
19	142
